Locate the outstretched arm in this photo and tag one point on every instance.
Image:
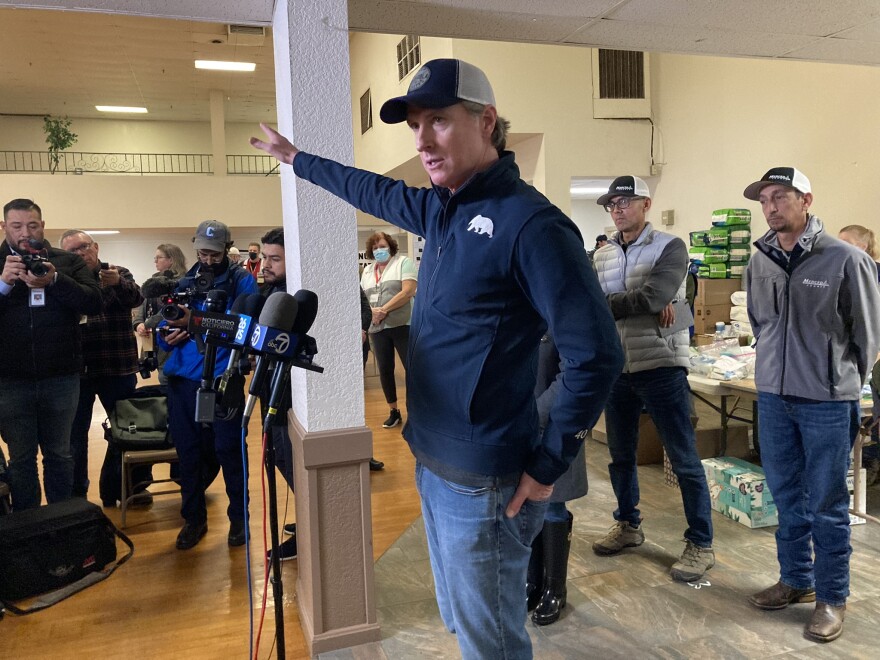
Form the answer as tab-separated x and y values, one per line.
275	145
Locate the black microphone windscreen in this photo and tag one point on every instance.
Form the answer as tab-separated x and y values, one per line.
216	300
279	311
158	286
307	304
255	305
239	304
36	244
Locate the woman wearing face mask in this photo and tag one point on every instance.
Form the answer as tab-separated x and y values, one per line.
390	284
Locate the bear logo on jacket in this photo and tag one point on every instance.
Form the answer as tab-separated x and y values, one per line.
481	225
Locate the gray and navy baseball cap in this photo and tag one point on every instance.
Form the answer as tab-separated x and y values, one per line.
625	186
212	235
439	84
781	176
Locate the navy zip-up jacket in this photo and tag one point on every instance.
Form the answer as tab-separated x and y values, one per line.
501	265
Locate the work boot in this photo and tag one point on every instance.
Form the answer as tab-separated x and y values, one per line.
780	596
190	535
693	563
826	624
621	535
535	576
236	536
556	537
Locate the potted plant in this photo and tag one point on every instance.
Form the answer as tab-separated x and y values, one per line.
59	137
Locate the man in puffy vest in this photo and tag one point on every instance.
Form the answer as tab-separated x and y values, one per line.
642	272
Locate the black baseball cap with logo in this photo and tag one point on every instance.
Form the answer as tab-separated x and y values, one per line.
625	186
778	176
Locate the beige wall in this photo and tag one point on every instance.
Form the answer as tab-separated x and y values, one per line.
724	122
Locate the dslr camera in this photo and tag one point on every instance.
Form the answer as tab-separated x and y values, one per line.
36	264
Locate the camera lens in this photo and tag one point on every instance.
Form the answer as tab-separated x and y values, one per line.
171	312
38	268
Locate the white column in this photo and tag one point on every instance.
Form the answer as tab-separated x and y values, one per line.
335	591
218	132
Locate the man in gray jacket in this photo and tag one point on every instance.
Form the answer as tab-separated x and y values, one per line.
642	272
814	307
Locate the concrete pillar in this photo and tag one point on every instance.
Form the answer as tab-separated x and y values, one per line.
218	132
335	588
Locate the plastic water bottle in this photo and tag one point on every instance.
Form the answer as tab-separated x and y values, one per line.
719	332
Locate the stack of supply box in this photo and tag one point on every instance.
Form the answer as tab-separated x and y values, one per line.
723	250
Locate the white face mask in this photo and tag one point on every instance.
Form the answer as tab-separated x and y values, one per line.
382	255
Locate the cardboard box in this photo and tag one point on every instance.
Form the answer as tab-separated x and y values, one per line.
738	490
716	292
706	316
650	449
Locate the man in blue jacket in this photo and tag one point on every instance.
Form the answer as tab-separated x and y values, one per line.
502	266
183	368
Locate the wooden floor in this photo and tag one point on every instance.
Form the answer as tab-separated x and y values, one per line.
166	603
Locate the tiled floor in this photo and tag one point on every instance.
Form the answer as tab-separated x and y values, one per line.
627	606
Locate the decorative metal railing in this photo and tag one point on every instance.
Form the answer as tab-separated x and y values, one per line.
256	165
78	162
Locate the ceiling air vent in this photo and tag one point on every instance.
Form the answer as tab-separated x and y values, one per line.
621	84
246	35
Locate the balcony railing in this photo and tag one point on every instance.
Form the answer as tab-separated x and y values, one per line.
78	162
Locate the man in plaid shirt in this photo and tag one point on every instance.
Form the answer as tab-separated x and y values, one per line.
110	365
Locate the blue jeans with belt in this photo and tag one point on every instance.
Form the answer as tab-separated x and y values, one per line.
479	558
805	448
37	415
665	394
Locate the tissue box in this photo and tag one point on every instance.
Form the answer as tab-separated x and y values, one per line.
738	490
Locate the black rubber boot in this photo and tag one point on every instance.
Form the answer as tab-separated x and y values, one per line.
535	576
557	543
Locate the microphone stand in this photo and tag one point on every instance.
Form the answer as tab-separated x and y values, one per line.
280	381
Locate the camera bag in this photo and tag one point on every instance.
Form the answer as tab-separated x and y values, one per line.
61	549
139	422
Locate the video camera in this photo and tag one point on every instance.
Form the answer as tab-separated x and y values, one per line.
164	288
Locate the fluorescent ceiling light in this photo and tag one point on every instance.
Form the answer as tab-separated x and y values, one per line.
587	190
100	232
216	65
119	108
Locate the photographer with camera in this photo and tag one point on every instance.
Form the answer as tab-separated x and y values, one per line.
110	366
170	265
43	294
184	367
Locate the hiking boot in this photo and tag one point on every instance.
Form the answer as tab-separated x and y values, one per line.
694	562
621	535
780	596
393	419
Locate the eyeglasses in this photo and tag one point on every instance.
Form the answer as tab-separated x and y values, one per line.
82	247
622	203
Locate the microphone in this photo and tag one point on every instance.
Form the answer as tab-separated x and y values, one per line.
272	341
231	386
159	285
307	303
206	397
36	245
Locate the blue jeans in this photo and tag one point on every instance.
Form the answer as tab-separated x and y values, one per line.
479	558
37	414
200	445
665	394
109	390
805	448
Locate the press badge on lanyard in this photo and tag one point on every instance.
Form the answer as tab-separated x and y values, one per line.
38	297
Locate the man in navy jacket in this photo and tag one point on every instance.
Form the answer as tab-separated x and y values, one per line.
502	265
